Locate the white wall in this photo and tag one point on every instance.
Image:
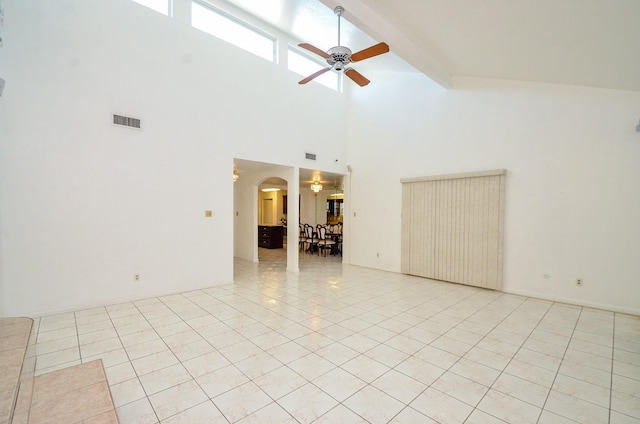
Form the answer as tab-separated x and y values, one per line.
86	205
572	193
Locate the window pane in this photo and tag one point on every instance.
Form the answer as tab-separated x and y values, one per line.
161	6
233	32
304	66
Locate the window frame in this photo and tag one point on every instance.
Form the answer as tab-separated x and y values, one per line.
169	4
234	19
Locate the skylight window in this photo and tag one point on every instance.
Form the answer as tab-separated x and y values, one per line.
301	64
161	6
220	25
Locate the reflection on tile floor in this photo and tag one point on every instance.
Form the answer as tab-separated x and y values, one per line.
339	343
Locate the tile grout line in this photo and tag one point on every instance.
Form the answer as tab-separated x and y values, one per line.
558	370
613	357
407	405
131	361
335	366
75	318
218	351
176	356
475	407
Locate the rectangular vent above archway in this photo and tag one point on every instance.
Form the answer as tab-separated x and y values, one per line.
310	156
127	121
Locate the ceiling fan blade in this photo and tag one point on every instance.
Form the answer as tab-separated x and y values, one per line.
315	50
312	76
356	77
376	50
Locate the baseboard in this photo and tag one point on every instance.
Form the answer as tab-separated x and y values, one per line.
595	305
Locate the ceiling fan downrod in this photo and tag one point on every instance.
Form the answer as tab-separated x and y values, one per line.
338	11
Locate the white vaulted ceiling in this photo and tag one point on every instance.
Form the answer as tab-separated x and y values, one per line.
576	42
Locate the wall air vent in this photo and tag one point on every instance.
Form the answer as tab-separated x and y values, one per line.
310	156
127	121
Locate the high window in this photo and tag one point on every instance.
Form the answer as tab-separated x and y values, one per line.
301	64
161	6
220	25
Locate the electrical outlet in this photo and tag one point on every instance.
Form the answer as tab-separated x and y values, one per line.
578	281
136	277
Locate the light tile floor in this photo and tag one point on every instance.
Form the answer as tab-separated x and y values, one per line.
338	343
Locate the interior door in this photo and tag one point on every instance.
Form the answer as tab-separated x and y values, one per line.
267	212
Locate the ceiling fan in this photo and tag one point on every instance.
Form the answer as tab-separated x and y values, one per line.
339	57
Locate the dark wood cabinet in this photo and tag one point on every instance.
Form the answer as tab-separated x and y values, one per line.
270	237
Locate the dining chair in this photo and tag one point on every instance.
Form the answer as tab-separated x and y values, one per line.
311	238
324	242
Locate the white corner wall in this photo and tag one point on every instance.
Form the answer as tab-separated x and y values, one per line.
85	205
572	193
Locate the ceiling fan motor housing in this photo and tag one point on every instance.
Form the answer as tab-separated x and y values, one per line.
340	57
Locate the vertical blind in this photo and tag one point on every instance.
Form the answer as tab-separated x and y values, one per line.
452	227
